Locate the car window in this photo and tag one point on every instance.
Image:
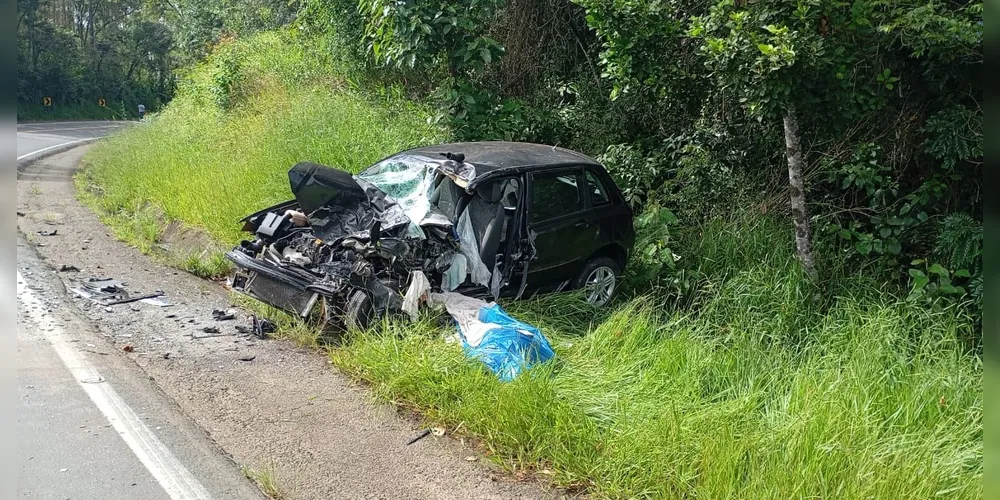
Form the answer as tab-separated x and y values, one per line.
553	195
598	194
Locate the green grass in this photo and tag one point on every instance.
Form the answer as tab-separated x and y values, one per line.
265	479
208	167
757	396
748	388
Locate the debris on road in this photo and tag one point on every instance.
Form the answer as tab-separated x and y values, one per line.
220	315
110	292
47	232
418	437
128	348
210	329
135	299
248	357
66	268
101	290
262	327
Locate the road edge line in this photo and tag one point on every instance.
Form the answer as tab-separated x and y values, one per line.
29	158
169	472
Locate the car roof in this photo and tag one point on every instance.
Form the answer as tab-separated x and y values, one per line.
491	156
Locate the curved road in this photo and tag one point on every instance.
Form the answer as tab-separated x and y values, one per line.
34	139
89	424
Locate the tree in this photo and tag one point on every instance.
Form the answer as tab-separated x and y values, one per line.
785	57
424	34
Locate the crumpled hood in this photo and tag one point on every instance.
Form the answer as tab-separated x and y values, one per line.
339	204
316	186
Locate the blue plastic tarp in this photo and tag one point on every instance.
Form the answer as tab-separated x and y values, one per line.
506	346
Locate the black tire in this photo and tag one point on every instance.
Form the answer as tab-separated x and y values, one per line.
327	317
592	267
359	311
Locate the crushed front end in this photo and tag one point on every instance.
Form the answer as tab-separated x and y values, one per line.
347	246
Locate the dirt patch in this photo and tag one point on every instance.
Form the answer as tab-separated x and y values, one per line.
285	409
181	242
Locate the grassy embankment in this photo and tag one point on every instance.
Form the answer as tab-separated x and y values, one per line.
757	392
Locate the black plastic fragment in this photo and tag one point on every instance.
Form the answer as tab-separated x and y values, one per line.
419	437
220	315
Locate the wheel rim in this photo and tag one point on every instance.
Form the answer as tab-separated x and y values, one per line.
600	285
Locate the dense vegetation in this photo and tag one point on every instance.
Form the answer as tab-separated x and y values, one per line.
729	366
126	52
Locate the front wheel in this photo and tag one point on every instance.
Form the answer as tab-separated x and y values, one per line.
599	279
359	311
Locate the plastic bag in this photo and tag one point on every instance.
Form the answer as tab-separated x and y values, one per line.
510	346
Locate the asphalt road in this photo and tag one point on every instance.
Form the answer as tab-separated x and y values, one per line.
89	424
38	137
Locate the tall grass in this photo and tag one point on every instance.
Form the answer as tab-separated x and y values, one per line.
756	396
208	166
752	389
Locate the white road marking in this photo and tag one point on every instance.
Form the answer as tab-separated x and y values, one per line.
175	479
19	158
41	131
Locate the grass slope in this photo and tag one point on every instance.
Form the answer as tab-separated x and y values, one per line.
754	392
208	166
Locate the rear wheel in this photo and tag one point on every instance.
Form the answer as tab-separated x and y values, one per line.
359	311
599	280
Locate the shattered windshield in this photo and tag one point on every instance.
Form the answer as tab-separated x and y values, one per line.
407	180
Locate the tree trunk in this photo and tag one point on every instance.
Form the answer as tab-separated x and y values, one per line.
800	217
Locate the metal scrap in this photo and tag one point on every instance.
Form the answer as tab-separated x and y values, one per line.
110	292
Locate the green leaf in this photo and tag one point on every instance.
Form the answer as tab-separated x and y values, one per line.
765	48
486	55
916	273
963	273
938	269
864	247
667	217
894	247
885	232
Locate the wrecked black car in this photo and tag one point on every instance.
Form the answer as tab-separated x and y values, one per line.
484	219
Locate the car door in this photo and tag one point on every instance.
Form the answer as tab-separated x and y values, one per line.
558	223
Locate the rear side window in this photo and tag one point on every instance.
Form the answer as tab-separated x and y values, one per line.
554	195
597	192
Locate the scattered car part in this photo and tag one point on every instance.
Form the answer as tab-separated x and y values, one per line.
220	315
134	299
418	437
